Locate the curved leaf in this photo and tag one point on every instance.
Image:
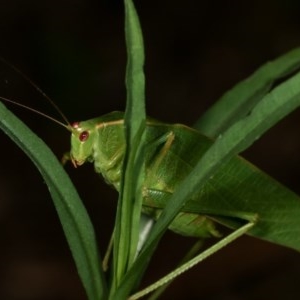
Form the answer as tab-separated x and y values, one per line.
240	100
73	216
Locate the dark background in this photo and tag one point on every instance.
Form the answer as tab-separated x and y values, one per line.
195	51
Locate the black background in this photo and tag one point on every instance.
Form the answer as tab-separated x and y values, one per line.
195	51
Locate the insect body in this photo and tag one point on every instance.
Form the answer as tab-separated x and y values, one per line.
171	152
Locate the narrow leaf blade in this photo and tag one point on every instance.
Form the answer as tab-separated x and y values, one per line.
130	199
240	100
76	224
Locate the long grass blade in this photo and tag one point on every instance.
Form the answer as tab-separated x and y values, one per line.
235	104
75	221
130	198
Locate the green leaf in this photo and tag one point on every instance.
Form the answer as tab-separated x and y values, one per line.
242	98
72	214
130	198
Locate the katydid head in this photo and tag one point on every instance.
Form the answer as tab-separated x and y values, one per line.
100	141
82	142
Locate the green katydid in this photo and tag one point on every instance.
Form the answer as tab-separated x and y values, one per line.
172	150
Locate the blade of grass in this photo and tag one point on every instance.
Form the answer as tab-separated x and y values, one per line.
130	199
194	250
239	101
75	221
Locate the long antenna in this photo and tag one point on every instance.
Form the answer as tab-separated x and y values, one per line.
39	90
37	112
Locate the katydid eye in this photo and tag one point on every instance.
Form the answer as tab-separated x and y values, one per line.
84	135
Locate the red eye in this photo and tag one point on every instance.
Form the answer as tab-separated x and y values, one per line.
84	136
